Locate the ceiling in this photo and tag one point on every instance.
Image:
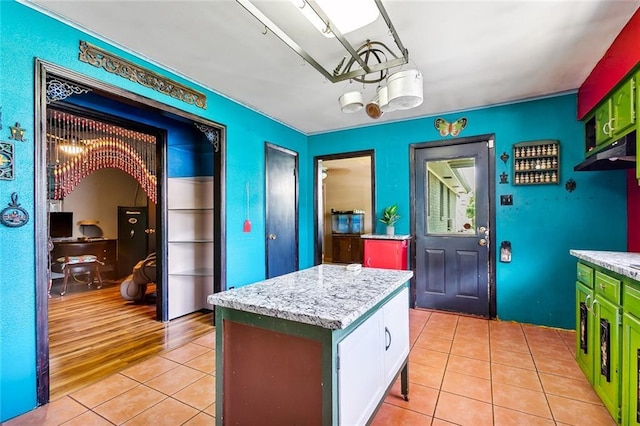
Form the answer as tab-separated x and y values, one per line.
471	53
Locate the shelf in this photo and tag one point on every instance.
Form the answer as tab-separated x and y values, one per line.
191	209
536	162
200	272
190	235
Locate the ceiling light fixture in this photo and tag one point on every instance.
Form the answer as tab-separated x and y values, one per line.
347	16
71	148
369	63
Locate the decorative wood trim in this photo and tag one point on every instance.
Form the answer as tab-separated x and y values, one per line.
6	161
58	89
100	58
211	133
605	349
584	314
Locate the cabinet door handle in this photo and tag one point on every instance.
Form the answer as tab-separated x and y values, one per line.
387	333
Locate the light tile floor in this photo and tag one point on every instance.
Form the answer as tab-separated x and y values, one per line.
462	371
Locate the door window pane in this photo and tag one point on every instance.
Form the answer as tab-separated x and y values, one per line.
450	197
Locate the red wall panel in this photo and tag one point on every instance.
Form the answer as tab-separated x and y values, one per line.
620	58
633	212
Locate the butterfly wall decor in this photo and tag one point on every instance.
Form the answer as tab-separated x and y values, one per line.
445	128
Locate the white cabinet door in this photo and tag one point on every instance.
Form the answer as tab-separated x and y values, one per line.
396	333
360	376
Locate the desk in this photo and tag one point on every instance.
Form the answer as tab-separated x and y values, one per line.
104	250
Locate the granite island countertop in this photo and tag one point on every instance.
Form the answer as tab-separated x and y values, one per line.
329	296
624	263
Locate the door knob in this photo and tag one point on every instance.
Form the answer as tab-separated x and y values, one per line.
272	236
482	242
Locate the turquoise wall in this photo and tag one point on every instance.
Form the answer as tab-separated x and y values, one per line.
544	222
25	35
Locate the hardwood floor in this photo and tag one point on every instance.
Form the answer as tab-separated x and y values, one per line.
94	334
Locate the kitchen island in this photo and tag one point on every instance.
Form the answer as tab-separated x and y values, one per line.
318	346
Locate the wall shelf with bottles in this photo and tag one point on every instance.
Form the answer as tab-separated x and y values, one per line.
536	162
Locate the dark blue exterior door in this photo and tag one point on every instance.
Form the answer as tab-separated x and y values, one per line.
452	228
282	211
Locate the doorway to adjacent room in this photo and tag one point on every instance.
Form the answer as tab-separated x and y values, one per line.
344	202
128	104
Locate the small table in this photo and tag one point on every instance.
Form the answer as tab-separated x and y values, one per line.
71	257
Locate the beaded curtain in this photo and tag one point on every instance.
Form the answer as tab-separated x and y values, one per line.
78	146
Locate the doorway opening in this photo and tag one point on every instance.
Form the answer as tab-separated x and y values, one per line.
344	203
132	113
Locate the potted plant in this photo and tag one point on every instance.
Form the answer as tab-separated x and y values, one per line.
390	217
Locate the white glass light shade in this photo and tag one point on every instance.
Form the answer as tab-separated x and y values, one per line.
351	102
347	16
383	99
405	89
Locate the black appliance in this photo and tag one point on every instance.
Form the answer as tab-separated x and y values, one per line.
60	224
621	154
132	237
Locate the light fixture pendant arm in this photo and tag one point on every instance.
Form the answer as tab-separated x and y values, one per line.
396	37
348	74
285	38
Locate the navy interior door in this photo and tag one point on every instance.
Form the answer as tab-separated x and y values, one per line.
452	228
281	211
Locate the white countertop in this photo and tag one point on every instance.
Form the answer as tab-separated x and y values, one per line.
328	296
623	263
385	237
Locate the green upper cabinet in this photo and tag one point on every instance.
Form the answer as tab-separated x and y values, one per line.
614	117
603	123
623	105
617	114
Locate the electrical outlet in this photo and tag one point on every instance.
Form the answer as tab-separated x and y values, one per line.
506	200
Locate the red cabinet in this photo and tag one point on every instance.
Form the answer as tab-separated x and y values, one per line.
386	252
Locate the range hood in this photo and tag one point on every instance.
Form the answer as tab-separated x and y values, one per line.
619	155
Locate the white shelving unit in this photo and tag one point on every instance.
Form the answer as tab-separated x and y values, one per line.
190	241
